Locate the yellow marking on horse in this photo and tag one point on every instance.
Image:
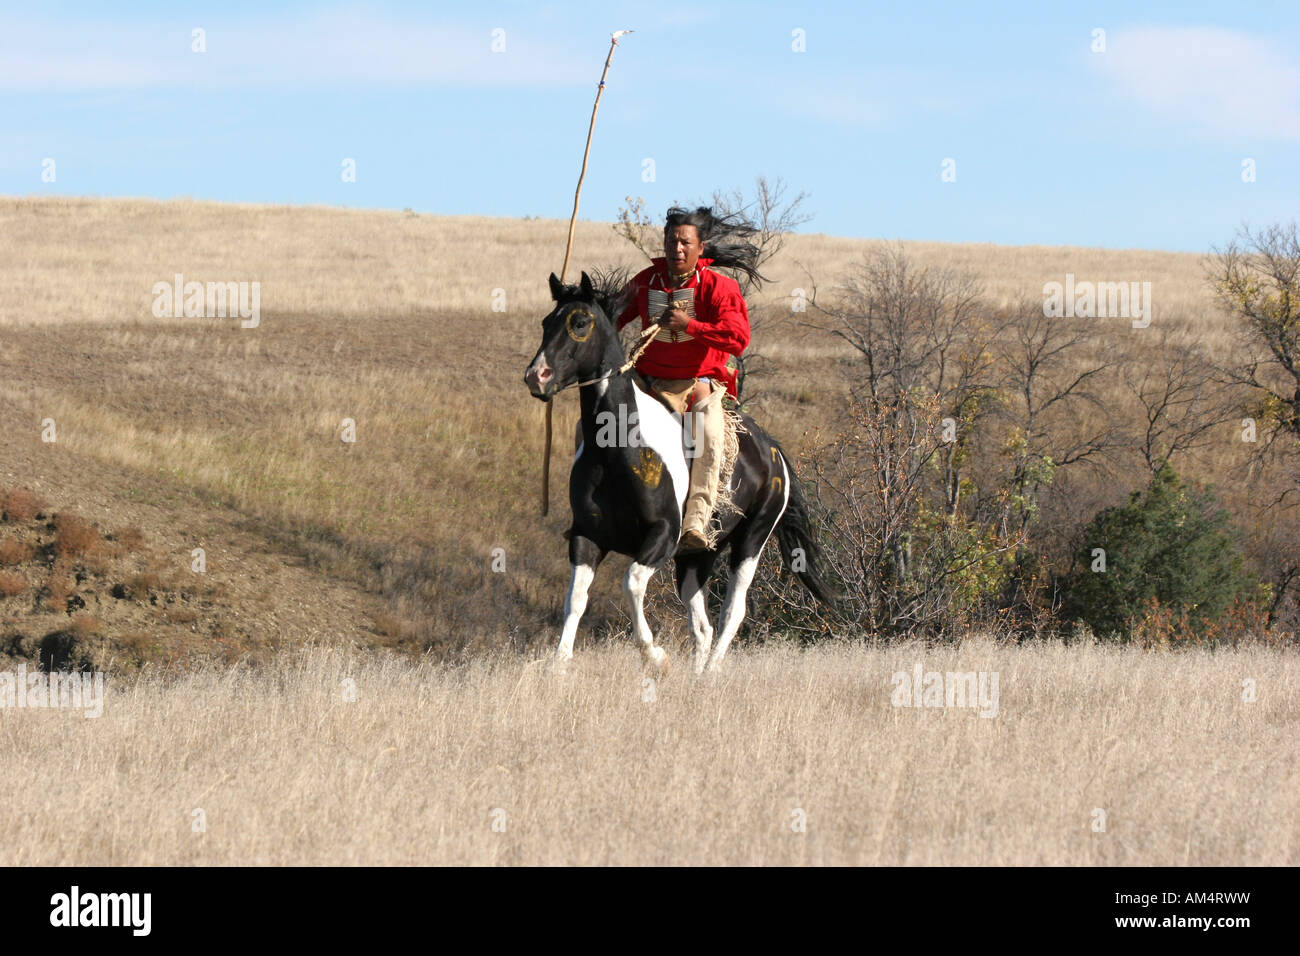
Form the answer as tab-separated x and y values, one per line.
650	468
776	482
568	324
774	454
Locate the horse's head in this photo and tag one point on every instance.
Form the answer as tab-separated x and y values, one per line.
578	340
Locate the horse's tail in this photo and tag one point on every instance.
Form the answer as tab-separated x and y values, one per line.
799	548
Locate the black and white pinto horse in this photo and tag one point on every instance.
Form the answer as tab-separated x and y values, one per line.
628	494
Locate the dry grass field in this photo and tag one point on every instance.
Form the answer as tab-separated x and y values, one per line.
789	757
174	434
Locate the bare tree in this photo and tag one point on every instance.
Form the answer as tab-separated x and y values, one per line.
637	227
1179	398
919	331
774	214
1257	280
1052	371
770	210
889	484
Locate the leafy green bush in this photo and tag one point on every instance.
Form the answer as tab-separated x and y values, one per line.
1170	546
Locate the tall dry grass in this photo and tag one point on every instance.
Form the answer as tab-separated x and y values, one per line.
583	769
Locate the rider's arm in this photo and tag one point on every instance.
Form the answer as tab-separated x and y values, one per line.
728	326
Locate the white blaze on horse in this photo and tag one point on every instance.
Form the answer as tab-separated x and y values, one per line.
627	494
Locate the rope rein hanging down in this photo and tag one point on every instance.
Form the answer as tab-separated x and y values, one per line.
568	250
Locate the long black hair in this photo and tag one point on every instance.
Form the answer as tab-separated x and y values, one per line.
728	239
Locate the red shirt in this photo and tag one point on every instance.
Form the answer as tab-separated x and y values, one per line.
720	326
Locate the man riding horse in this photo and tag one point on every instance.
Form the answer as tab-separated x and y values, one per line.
628	496
703	321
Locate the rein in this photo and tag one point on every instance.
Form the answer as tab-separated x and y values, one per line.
647	336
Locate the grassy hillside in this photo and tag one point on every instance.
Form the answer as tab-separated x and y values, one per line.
201	433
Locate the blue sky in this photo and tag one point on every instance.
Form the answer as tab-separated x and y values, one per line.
1141	145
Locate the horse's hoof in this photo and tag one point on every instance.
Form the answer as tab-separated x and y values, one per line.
658	661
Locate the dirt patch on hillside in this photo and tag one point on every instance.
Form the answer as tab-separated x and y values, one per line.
101	567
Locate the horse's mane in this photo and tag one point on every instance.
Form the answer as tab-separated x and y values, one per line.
610	285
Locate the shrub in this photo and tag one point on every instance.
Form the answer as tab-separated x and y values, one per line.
139	585
19	504
131	538
13	551
73	535
11	584
84	627
1169	547
60	587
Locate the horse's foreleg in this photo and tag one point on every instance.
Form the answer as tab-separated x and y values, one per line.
634	585
574	606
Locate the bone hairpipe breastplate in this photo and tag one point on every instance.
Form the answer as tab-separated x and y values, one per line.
683	299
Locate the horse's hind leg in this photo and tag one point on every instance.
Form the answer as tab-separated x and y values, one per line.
733	606
634	585
746	550
584	556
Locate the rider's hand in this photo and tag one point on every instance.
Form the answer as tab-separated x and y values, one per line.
675	321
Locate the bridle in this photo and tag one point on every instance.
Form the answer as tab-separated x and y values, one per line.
647	336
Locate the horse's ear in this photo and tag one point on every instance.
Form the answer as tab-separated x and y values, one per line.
588	291
557	287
